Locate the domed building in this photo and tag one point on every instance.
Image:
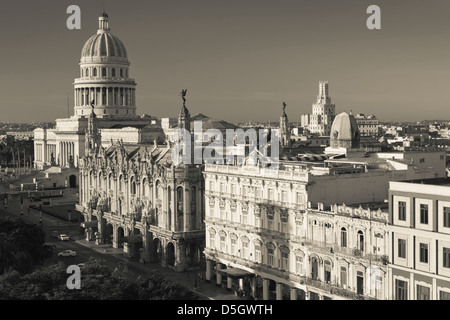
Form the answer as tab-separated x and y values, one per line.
344	132
104	87
344	136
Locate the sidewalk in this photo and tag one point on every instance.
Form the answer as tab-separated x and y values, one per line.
209	291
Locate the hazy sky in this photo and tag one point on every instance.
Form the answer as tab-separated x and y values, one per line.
239	59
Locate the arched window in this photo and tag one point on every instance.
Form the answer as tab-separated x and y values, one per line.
95	72
343	238
82	73
121	73
127	73
100	178
133	185
180	199
103	72
120	183
158	190
327	270
360	240
110	181
87	72
113	72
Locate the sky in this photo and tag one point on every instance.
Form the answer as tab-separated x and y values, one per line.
239	59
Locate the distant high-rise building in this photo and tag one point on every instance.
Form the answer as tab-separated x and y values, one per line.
323	113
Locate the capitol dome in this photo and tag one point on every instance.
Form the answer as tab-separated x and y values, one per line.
344	131
104	81
104	46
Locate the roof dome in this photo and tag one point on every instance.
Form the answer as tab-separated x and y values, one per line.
103	46
345	131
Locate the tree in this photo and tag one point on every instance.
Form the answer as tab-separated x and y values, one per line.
22	246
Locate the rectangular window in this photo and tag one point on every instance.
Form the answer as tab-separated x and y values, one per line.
423	293
446	258
257	193
284	197
212	242
424	214
244	218
402	248
284	260
343	276
222	244
299	264
446	211
233	246
245	250
270	224
270	194
401	290
423	252
258	257
444	295
270	257
402	211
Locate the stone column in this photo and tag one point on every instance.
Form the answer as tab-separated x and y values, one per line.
208	273
279	291
219	267
253	286
115	237
293	293
229	283
265	289
241	284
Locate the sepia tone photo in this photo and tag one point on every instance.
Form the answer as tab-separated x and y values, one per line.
245	152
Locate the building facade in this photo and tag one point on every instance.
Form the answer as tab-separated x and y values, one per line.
135	197
419	215
368	125
263	237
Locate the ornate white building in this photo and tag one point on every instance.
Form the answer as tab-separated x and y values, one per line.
135	197
104	84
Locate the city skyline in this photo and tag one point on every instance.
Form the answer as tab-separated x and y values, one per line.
240	61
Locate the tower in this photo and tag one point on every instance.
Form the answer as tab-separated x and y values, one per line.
285	134
323	112
184	118
93	138
104	77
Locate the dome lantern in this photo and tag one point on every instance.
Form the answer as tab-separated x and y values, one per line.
103	23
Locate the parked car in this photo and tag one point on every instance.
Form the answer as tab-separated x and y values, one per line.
67	253
64	237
